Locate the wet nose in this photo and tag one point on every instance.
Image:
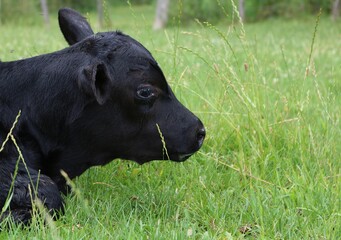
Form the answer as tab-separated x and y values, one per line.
201	133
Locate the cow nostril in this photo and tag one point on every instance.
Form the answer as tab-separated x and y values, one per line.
201	135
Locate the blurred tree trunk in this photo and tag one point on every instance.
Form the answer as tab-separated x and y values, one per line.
100	12
241	10
161	16
335	9
45	12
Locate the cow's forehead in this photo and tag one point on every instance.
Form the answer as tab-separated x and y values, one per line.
123	49
120	44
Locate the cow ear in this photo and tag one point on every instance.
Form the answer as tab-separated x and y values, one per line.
73	25
95	80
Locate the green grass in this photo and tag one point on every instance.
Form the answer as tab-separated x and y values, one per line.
270	166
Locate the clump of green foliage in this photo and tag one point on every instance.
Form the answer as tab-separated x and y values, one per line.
203	10
211	10
23	10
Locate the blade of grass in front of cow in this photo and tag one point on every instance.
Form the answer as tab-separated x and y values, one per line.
164	147
10	192
40	215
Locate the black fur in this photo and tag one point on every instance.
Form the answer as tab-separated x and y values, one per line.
99	99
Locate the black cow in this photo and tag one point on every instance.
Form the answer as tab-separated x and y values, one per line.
102	98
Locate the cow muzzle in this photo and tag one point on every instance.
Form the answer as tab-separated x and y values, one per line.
200	137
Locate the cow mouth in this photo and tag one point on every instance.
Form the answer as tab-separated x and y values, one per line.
184	157
181	157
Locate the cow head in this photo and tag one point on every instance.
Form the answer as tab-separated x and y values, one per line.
133	113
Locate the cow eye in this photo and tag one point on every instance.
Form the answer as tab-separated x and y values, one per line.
146	94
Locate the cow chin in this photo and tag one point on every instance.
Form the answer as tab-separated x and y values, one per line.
171	157
183	157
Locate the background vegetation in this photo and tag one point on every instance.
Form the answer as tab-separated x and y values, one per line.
269	96
211	10
204	10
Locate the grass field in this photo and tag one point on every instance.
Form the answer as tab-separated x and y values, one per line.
269	95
